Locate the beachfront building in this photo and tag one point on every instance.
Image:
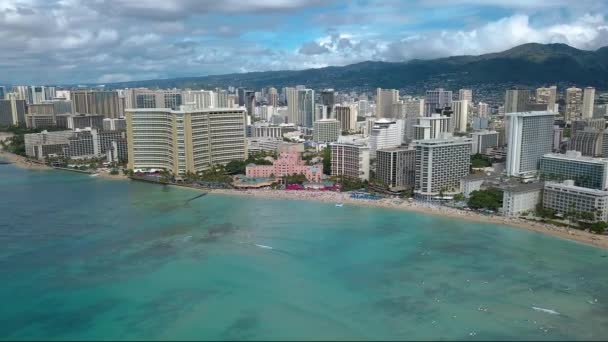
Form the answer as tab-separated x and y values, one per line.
289	163
521	198
385	133
71	144
79	143
566	198
185	140
350	159
471	183
113	144
441	164
483	140
40	145
584	171
326	130
396	168
530	137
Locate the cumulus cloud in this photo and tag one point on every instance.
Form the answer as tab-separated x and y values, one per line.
587	32
312	48
75	41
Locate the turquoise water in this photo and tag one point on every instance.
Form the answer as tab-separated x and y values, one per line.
87	258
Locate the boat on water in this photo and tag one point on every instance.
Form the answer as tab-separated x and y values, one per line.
339	205
94	174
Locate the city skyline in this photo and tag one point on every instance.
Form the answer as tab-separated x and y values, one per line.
107	41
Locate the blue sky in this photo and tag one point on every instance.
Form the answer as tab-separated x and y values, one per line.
67	41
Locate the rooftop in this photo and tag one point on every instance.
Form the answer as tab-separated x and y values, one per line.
533	113
524	187
571	186
576	156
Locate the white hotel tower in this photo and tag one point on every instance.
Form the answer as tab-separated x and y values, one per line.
530	136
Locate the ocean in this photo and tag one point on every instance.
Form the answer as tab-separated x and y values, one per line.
87	258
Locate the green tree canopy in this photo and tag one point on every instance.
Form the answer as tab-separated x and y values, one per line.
486	199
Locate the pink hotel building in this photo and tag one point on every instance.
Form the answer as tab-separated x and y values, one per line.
288	163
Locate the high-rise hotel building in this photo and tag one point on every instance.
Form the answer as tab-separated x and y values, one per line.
530	137
441	164
185	140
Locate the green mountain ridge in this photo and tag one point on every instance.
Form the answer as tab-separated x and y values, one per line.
527	64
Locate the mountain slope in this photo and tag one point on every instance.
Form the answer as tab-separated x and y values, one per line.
525	64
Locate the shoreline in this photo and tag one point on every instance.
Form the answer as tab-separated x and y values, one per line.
22	162
570	234
565	233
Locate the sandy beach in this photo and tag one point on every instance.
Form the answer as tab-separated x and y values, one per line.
107	175
23	162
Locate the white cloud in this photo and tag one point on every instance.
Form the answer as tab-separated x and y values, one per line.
109	78
587	32
50	41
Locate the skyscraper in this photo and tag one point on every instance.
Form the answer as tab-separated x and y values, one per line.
588	141
306	107
516	100
326	130
250	101
350	160
385	133
38	94
436	99
547	96
240	93
12	112
441	164
49	93
588	102
104	102
396	167
574	103
465	94
23	93
2	92
222	98
273	97
530	136
483	110
291	95
461	115
328	98
384	102
347	115
202	99
432	127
